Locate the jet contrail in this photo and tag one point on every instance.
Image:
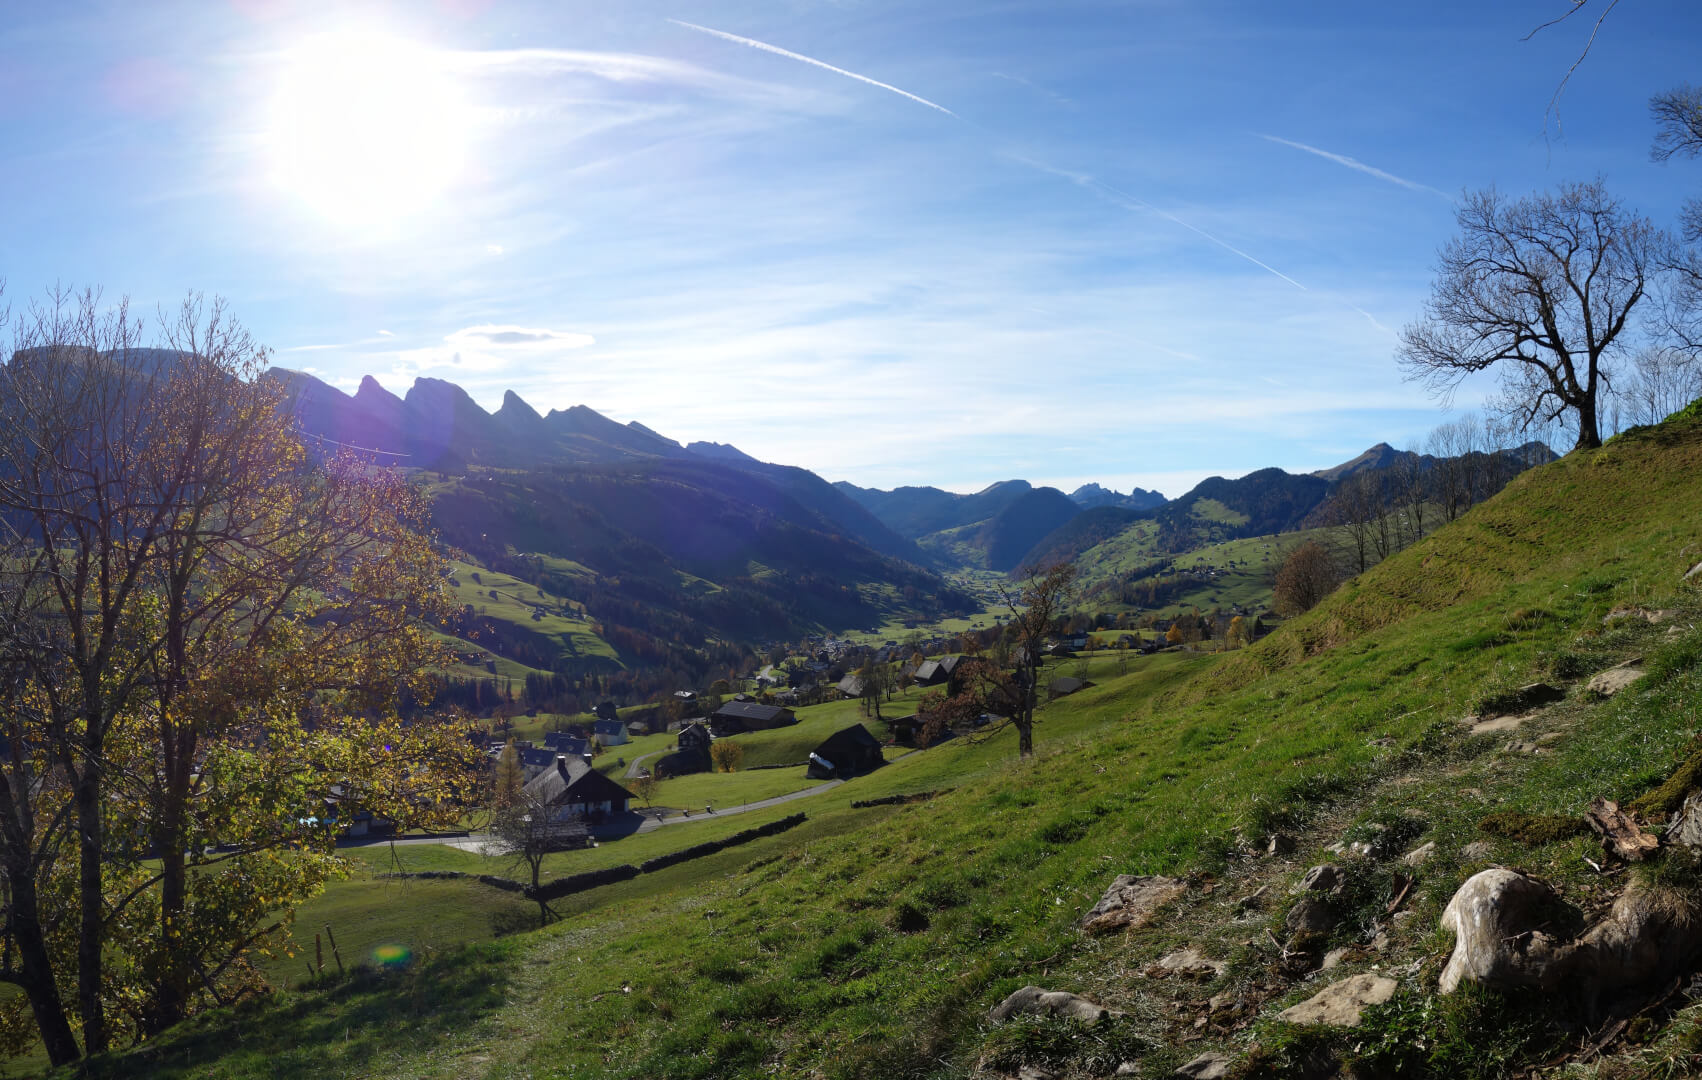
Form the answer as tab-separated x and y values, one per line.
1360	166
1126	200
789	54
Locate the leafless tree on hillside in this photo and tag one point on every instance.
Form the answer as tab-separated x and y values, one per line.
1546	291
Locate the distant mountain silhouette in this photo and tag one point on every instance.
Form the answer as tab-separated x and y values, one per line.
1089	496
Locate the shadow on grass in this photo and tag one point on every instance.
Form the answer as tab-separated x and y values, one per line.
342	1027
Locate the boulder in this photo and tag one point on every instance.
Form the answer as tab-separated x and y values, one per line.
1310	914
1206	1067
1032	999
1131	902
1650	932
1494	917
1695	572
1686	826
1339	1004
1616	678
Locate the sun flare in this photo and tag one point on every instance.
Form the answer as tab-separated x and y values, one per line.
366	128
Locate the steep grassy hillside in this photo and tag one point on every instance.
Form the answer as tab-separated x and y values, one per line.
872	942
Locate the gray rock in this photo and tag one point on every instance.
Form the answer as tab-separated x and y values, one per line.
1131	902
1206	1067
1333	958
1616	678
1695	572
1323	878
1421	854
1494	917
1032	999
1339	1004
1477	849
1281	844
1128	1068
1686	826
1310	913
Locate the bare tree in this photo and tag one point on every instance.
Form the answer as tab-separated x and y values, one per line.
1678	133
1043	597
1542	289
1306	577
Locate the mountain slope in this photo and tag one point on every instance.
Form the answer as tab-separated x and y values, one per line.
872	941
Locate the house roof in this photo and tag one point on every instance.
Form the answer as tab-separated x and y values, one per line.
1064	684
565	742
930	670
848	741
609	727
851	686
749	710
571	781
537	756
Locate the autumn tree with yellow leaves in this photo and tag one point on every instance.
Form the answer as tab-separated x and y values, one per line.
209	637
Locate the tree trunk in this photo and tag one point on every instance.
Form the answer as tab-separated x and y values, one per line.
91	931
171	982
1024	738
1589	429
35	975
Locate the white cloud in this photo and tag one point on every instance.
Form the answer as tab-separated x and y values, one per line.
491	334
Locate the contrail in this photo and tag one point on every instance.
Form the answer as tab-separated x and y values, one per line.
778	51
1360	166
1126	200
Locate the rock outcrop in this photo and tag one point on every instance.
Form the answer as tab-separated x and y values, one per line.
1340	1004
1650	932
1032	999
1131	902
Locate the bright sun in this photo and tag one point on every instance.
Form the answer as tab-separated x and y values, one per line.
366	129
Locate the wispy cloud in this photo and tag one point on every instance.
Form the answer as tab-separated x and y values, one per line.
519	335
789	54
1359	166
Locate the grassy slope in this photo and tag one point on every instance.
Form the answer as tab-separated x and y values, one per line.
870	942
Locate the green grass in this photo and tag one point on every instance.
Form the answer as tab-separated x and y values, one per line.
507	599
869	943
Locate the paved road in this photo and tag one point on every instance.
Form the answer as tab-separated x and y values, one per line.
632	769
680	819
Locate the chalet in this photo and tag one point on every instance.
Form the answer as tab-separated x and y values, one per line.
610	732
692	755
846	753
851	686
737	717
932	673
573	789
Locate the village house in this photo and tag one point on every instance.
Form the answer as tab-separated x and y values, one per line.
737	717
846	753
610	732
692	755
570	788
568	742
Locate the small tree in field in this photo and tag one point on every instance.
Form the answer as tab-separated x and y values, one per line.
1306	577
644	786
727	755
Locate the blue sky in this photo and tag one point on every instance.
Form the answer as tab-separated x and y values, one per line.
1133	243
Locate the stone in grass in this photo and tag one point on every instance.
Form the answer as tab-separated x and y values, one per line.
1695	572
1339	1004
1032	999
1131	902
1323	878
1191	962
1616	678
1281	844
1310	914
1421	854
1206	1067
